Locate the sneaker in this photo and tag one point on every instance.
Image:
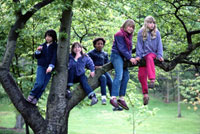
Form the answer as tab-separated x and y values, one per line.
151	84
114	103
117	108
68	94
103	101
34	102
94	100
30	98
123	104
145	99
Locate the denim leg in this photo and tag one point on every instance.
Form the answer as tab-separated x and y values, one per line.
124	82
71	76
117	62
109	81
103	82
46	81
40	77
84	83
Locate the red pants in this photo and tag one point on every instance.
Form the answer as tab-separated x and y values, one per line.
147	71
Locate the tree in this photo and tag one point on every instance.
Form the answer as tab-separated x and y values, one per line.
58	107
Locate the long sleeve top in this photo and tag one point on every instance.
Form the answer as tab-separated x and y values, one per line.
119	46
99	57
149	45
47	56
83	62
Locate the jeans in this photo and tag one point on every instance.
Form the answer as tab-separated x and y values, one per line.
105	79
42	80
121	75
73	78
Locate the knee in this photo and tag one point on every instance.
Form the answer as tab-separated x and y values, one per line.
102	78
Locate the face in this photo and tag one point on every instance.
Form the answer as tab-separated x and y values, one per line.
77	49
99	45
129	29
48	39
151	25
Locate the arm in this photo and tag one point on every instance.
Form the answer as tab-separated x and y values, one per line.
121	46
159	46
38	52
53	60
139	46
106	58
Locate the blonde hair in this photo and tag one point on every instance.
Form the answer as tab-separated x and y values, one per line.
128	22
149	19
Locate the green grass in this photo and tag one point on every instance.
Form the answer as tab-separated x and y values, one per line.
100	119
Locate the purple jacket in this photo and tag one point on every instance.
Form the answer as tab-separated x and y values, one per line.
149	45
119	46
80	64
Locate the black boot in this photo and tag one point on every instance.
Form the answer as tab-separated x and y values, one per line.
68	93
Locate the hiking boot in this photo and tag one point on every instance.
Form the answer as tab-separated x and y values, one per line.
114	103
151	84
94	100
68	94
123	104
145	99
117	108
103	101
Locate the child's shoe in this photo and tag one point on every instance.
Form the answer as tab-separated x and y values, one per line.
151	84
123	104
68	94
145	99
103	101
94	100
114	103
31	99
117	108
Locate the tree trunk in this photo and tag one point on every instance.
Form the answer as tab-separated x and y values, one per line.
179	96
167	94
19	122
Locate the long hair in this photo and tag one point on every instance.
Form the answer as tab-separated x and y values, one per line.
128	22
51	33
74	45
149	19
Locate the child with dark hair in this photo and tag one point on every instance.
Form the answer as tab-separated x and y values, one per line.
149	46
76	71
100	58
46	59
121	52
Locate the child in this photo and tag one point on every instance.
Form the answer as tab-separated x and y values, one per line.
76	71
46	60
149	46
100	58
121	52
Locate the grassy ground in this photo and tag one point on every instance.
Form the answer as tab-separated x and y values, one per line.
100	119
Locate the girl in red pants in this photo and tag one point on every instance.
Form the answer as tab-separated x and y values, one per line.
149	46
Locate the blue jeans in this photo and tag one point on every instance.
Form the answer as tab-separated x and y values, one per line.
42	80
121	76
105	79
73	78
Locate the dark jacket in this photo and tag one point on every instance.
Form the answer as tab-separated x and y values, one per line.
47	56
83	62
119	46
99	58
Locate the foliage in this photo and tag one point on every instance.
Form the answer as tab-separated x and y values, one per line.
190	90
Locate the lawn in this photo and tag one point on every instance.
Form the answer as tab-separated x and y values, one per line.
100	119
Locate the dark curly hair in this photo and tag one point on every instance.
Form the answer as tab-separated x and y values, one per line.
97	39
51	33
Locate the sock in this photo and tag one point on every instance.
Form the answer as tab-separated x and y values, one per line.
113	97
121	97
